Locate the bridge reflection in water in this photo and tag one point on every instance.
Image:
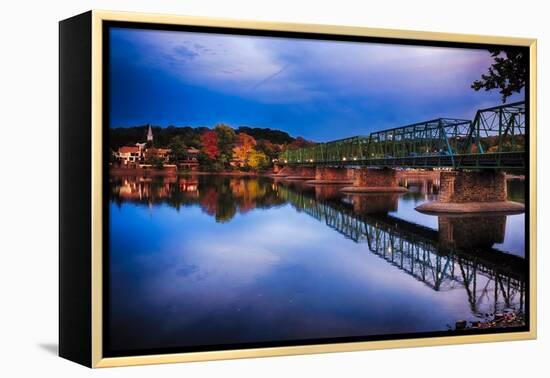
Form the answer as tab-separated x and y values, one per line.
458	256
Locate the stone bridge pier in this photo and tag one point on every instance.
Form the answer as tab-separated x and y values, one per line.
332	175
472	192
277	168
299	173
373	180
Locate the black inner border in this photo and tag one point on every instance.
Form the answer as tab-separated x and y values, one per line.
107	25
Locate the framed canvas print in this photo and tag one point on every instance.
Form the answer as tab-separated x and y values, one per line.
236	189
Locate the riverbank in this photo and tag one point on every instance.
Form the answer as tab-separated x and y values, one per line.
173	172
510	319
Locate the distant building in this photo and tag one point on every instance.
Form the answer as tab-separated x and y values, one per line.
150	135
140	155
236	161
193	152
129	154
191	160
162	153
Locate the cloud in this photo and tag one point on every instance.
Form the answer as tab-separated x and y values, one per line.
184	53
257	67
317	89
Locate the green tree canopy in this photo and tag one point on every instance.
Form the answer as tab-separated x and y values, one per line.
226	139
178	149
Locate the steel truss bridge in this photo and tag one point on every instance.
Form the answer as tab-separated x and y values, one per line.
493	280
495	139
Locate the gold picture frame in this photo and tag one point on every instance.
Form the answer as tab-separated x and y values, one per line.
97	19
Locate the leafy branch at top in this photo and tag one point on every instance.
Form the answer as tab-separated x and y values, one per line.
508	73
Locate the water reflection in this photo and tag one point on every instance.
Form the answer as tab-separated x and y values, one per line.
219	196
466	267
459	253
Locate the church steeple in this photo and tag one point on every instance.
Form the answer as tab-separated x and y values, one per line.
150	134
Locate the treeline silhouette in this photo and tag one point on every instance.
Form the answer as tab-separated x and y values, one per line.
124	136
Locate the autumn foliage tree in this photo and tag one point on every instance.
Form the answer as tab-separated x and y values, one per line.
209	141
244	147
258	160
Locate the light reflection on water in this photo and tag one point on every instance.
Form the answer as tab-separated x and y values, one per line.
209	260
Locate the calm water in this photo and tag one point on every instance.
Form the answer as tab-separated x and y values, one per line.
207	260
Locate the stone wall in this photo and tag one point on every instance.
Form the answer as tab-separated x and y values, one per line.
370	177
306	171
461	187
332	173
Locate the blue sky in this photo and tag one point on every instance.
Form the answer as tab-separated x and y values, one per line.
321	90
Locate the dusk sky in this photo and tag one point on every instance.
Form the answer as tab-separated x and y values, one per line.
321	90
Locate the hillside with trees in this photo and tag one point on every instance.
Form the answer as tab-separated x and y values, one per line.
221	148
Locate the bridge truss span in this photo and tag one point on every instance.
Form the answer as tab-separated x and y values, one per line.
495	139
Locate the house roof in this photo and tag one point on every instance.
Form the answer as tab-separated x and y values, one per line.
128	149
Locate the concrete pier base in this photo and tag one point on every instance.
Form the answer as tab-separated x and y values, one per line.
370	180
472	192
332	176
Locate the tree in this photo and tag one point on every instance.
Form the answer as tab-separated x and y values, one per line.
244	146
209	141
300	143
156	161
271	150
178	149
258	160
226	138
508	73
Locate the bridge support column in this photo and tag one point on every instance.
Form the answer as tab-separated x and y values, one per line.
300	173
472	192
280	170
372	180
332	175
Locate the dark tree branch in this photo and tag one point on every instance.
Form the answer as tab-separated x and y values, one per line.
507	73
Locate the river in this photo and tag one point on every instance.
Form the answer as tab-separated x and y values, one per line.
199	262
